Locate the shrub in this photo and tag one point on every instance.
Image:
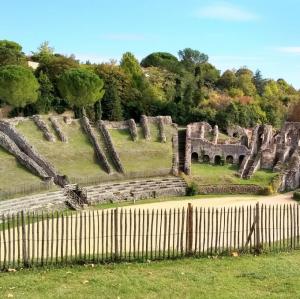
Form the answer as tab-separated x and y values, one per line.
296	195
192	189
266	191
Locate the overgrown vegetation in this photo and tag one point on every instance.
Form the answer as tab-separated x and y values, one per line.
187	87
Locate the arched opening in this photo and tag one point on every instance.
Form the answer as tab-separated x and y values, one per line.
206	159
241	158
235	135
218	160
229	160
195	158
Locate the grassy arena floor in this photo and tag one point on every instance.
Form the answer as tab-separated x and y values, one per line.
265	276
206	174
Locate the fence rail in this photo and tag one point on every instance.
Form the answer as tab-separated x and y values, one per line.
28	239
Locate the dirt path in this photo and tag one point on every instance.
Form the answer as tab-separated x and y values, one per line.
226	201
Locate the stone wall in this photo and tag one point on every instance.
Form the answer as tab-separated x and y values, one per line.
145	127
93	139
229	189
204	147
133	129
175	149
115	156
56	126
161	129
30	151
25	160
121	125
44	128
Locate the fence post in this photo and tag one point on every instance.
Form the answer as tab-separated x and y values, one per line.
190	229
24	245
257	229
116	234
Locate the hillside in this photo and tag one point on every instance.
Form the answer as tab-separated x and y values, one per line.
76	159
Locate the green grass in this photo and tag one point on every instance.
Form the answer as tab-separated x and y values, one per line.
265	276
143	155
75	158
206	174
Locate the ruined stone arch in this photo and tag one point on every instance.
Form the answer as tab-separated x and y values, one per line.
195	157
218	160
229	159
206	159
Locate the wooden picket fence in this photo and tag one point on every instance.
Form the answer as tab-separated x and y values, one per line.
28	239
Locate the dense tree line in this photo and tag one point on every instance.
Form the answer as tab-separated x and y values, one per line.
187	87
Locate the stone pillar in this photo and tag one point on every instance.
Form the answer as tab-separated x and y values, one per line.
202	131
216	134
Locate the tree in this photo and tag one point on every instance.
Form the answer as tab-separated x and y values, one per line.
228	80
245	83
294	112
111	103
44	52
130	65
11	53
259	82
162	60
18	86
190	58
46	96
81	88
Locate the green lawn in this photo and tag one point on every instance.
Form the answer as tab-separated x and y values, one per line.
75	158
214	174
143	155
265	276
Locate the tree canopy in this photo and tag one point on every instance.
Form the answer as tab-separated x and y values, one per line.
18	86
81	88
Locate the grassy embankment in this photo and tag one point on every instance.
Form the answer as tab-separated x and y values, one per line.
265	276
206	174
76	158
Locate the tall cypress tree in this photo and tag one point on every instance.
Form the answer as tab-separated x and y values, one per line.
111	103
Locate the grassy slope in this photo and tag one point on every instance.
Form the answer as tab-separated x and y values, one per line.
214	174
75	158
13	173
143	155
266	276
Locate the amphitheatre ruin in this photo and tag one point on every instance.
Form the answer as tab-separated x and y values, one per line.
58	162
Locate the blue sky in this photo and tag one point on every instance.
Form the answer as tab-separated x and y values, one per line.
260	34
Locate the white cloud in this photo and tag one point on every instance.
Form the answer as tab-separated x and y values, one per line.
124	37
290	50
226	12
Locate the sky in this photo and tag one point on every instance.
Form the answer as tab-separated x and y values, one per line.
259	34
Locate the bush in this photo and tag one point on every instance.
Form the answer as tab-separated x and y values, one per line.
266	191
192	189
296	195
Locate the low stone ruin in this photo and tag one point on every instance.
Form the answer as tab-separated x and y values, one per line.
161	130
145	127
41	124
92	137
133	129
56	126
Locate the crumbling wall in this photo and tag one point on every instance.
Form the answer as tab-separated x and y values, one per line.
188	151
175	148
99	153
56	126
44	128
161	129
29	150
145	127
111	148
133	129
25	160
121	125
